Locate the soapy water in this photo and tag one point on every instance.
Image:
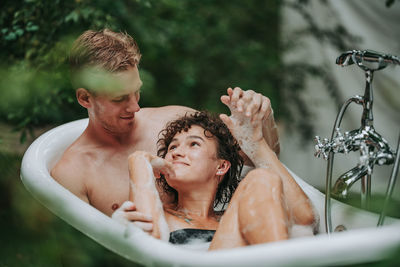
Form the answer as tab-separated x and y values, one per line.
189	236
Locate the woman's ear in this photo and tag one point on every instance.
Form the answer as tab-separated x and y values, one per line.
83	97
223	167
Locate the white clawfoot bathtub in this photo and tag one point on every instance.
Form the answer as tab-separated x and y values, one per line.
363	242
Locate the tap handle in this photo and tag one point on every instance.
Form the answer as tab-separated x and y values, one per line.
339	142
365	157
346	138
356	56
322	148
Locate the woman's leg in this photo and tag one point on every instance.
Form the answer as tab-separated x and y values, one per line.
256	214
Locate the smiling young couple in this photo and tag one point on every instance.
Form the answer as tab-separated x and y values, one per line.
200	159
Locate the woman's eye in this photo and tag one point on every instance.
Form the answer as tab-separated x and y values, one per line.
194	144
172	147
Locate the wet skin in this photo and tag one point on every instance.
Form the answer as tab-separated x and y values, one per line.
95	166
263	207
198	172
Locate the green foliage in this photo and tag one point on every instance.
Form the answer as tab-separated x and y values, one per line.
31	98
35	39
192	52
195	50
32	29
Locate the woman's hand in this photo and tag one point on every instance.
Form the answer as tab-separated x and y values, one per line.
254	105
257	108
159	165
248	110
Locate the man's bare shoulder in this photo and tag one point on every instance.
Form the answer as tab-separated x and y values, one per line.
153	120
71	159
165	113
70	171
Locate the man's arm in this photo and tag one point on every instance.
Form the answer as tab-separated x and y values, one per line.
270	132
67	174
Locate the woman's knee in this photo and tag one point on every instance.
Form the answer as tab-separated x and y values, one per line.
260	185
262	214
263	177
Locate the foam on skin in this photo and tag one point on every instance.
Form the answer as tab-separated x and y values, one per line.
161	222
246	136
146	194
157	162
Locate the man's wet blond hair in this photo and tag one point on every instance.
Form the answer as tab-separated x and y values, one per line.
107	50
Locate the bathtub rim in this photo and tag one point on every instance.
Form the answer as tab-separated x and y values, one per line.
353	246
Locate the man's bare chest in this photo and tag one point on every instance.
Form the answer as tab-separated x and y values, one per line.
108	185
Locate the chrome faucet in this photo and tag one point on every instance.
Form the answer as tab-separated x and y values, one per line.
346	180
374	149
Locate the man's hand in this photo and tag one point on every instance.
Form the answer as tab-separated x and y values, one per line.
127	214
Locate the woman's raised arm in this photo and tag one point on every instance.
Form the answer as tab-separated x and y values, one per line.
143	191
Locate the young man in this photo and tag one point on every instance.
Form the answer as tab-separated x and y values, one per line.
104	69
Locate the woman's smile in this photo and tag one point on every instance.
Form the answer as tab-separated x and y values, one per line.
180	163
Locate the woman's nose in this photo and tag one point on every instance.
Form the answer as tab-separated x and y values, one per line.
178	152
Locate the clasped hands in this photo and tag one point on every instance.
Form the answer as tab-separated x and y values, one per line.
248	112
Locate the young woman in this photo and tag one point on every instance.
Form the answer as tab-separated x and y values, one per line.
198	168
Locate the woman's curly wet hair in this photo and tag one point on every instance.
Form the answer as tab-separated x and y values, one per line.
228	149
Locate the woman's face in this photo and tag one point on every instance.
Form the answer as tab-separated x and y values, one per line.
194	158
